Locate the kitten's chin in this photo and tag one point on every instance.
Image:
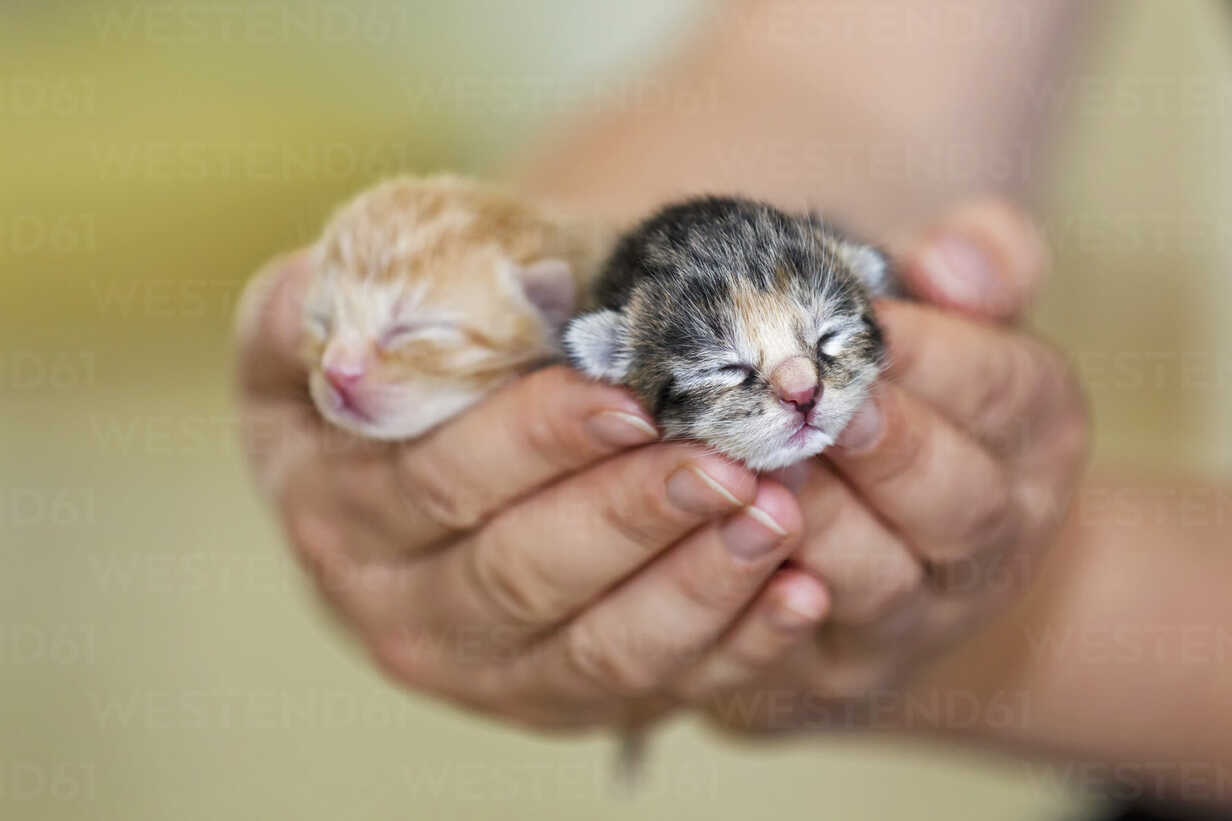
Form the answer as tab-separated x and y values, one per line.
800	446
408	419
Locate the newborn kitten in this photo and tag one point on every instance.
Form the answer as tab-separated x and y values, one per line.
738	325
427	294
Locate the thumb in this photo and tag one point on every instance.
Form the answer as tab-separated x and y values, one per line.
268	328
985	259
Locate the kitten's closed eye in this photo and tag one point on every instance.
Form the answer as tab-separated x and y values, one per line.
320	325
736	370
404	333
828	345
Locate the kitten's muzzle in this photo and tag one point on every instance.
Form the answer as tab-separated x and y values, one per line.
795	383
343	380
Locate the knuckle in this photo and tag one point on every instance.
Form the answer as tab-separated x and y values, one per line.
546	435
892	585
428	483
1050	378
1073	442
1073	429
640	512
905	447
700	591
313	540
1055	409
963	578
696	688
746	657
989	517
850	680
718	592
724	672
602	667
508	584
550	430
999	388
394	657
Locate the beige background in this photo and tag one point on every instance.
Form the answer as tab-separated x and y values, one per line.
159	656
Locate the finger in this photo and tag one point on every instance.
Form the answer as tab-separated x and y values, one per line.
784	614
529	433
541	561
452	480
324	540
662	620
358	479
930	483
868	570
999	385
985	259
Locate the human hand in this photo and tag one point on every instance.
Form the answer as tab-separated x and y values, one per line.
942	494
527	559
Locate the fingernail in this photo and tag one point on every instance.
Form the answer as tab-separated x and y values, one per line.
961	271
691	489
864	430
802	605
621	429
751	534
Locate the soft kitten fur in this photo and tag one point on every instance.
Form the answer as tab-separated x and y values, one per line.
738	325
428	293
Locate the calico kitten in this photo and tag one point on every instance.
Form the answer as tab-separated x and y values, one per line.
428	293
738	325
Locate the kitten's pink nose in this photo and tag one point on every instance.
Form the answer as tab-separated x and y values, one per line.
344	376
795	383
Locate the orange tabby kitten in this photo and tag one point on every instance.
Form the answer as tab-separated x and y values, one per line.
428	293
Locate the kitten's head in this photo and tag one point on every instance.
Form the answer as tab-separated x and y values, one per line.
740	326
426	295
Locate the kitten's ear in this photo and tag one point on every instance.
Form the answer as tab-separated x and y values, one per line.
598	345
868	263
548	285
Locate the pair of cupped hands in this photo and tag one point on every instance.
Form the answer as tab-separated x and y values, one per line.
543	559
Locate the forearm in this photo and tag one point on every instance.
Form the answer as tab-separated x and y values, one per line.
880	113
1120	659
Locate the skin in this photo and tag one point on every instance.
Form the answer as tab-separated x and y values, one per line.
436	558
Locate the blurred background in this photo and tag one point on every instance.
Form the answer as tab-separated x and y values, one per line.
159	654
